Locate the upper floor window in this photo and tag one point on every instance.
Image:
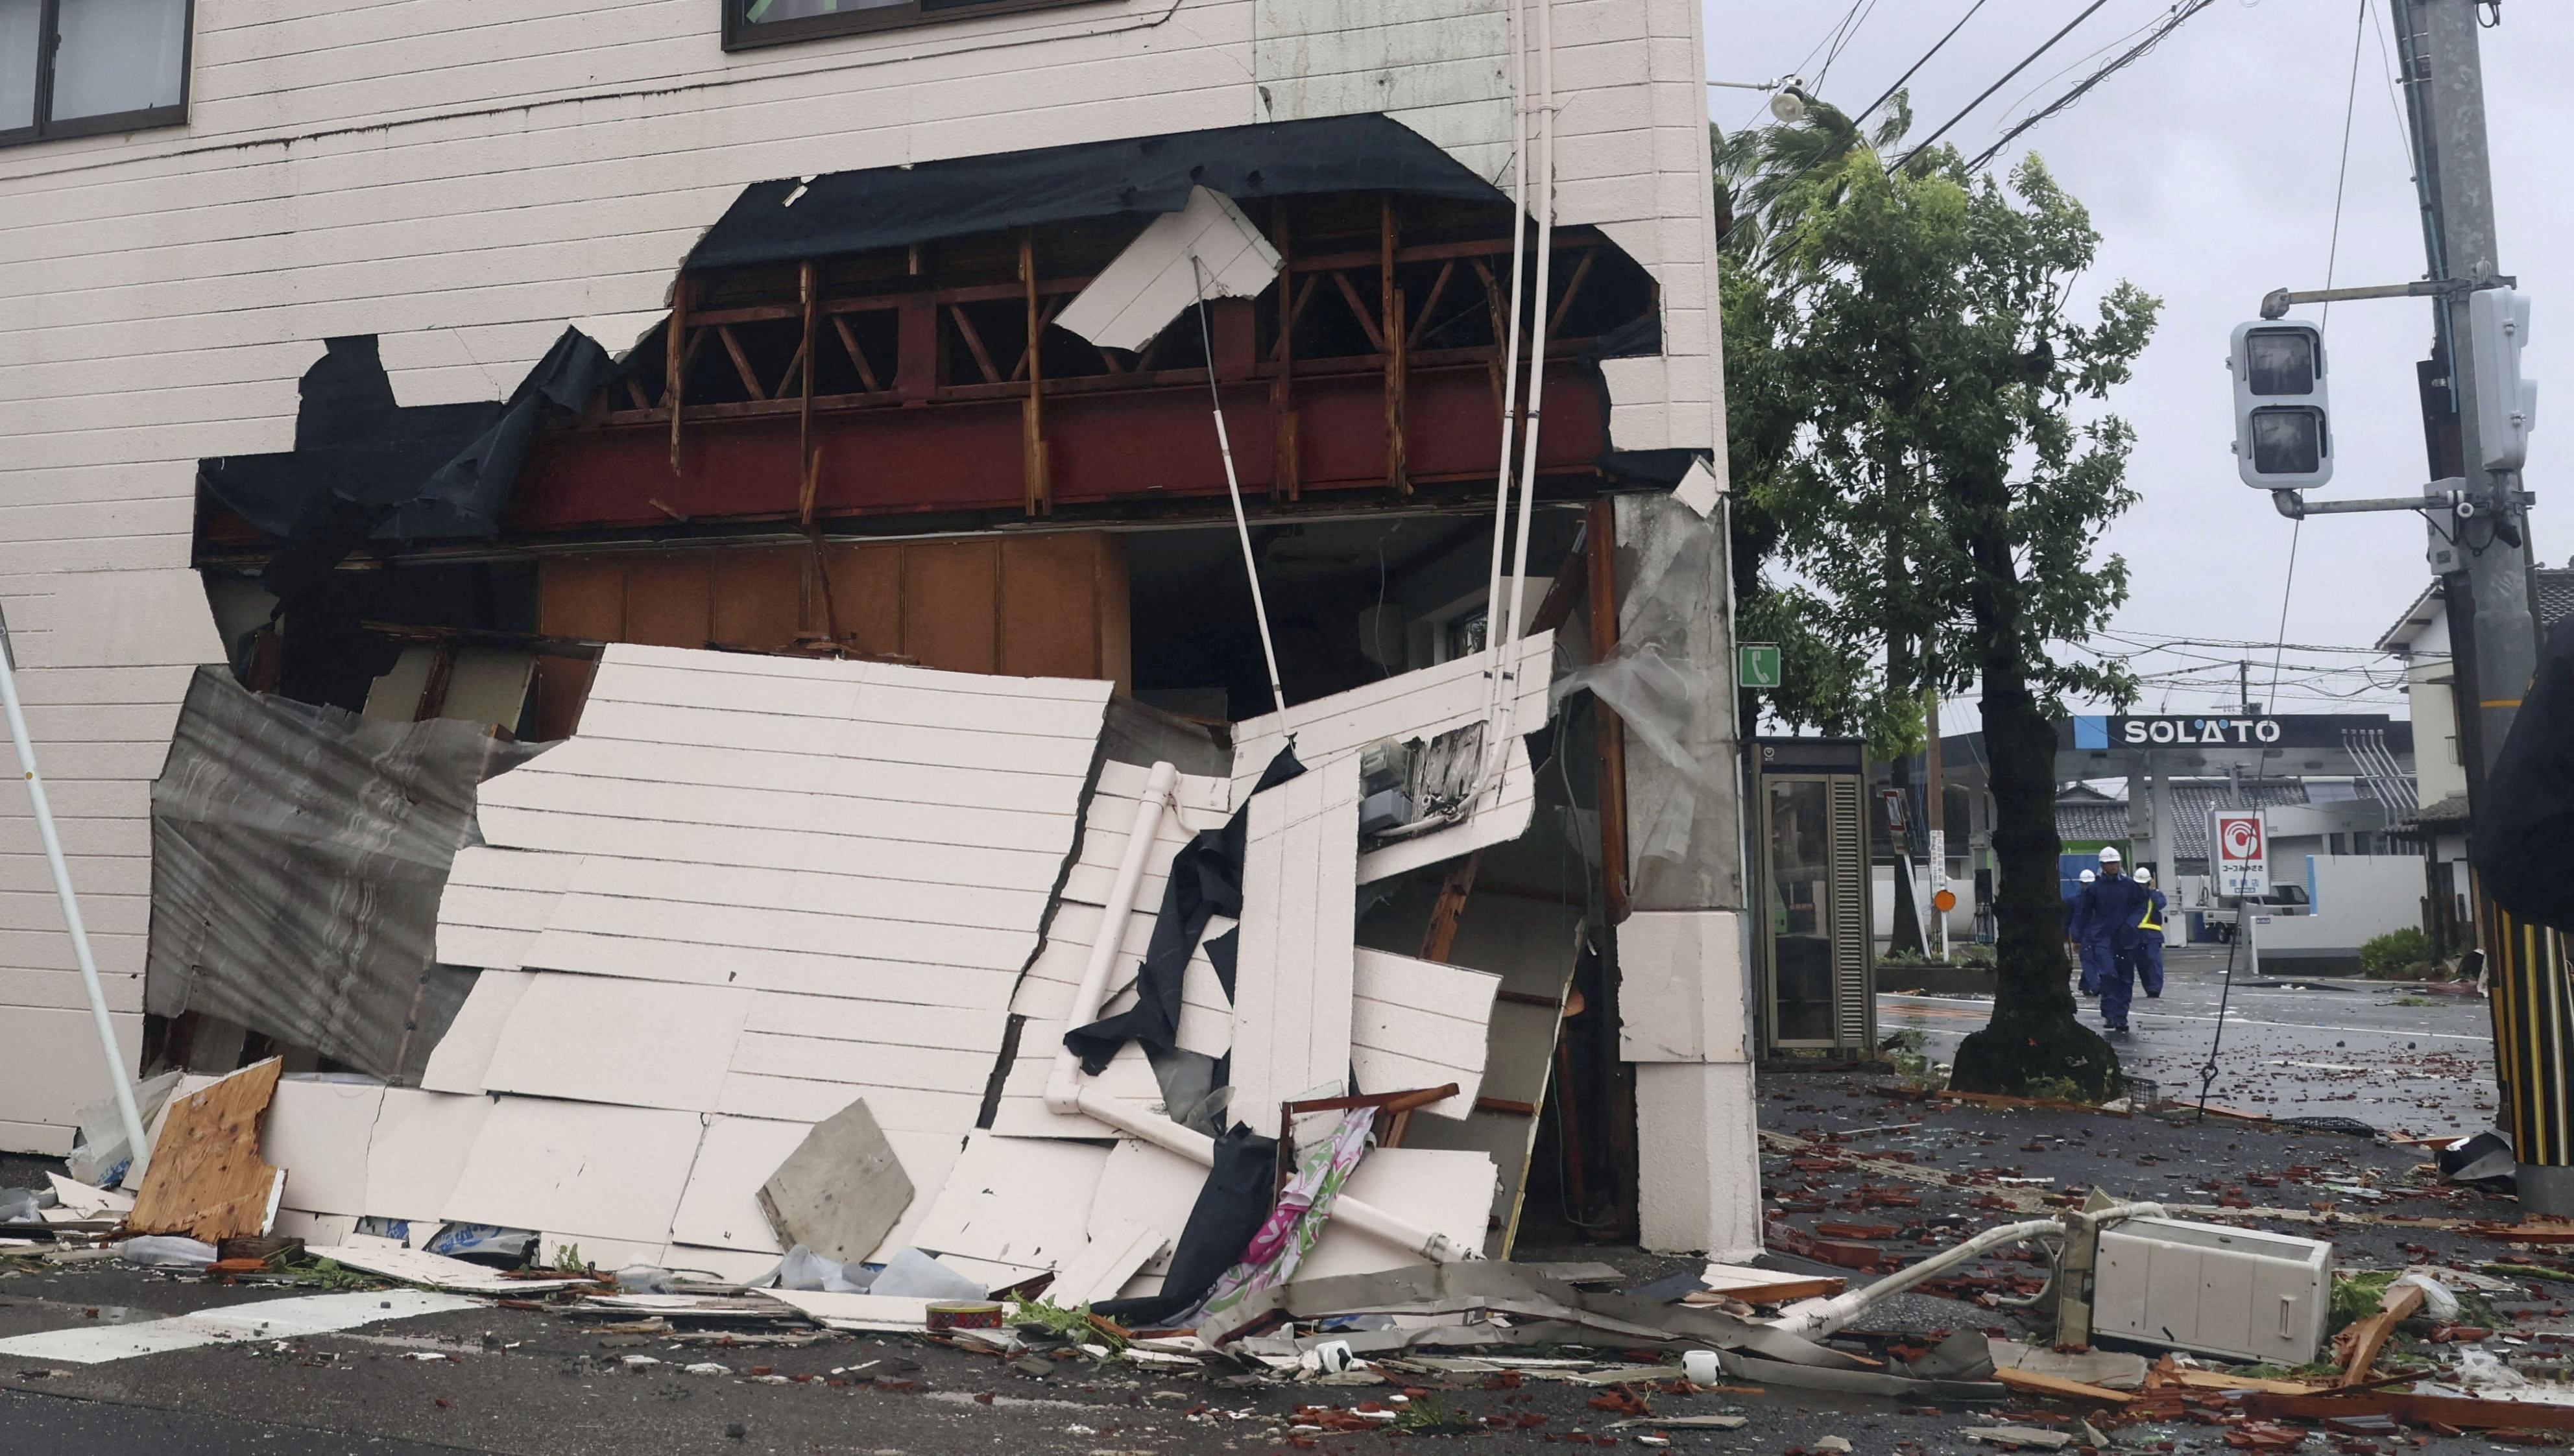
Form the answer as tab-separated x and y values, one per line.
72	68
768	22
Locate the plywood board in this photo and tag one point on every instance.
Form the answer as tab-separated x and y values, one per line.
580	1171
458	1063
840	1190
1015	1204
318	1131
206	1180
1292	982
1418	1024
418	1151
632	1043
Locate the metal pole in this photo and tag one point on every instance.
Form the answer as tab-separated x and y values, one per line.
2445	89
116	1077
1233	489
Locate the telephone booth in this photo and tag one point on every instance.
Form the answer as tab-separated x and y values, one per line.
1810	896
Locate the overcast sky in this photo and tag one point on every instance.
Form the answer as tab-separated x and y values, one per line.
2209	169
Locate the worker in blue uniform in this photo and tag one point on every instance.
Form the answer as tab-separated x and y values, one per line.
2090	937
2149	965
2118	903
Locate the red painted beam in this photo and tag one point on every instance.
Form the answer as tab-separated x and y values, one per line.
1117	447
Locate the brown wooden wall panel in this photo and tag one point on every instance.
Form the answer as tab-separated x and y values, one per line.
759	597
867	597
949	595
1053	604
666	601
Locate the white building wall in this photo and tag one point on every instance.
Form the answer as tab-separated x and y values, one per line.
461	180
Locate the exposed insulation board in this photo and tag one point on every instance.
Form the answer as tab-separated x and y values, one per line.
1293	982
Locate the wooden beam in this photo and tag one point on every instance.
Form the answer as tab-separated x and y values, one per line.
1359	308
1032	463
857	356
1600	537
1430	305
974	341
1440	938
1394	338
675	366
1284	481
807	467
741	363
1564	305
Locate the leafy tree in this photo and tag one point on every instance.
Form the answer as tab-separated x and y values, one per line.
1927	478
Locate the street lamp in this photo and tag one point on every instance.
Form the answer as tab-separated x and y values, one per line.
1787	94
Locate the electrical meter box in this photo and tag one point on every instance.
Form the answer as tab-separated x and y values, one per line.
2214	1289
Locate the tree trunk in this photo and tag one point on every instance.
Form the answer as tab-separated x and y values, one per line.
1908	932
2035	1035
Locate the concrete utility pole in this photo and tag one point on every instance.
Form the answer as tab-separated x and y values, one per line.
2446	81
2497	642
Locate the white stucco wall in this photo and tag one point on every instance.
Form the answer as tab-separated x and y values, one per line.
463	179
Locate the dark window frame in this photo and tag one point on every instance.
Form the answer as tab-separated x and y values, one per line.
741	33
44	129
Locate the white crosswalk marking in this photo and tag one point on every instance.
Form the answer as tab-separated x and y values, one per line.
274	1319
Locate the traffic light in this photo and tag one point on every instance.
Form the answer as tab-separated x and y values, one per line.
2507	404
2282	433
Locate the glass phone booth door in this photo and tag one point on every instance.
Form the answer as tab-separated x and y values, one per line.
1814	897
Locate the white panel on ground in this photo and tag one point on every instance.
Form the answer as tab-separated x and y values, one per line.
1149	1186
1292	982
721	1207
1208	249
1013	1206
318	1131
1418	1024
1449	1192
578	1169
1115	1254
273	1319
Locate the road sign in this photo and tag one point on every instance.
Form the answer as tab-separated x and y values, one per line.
2243	853
1945	901
1757	664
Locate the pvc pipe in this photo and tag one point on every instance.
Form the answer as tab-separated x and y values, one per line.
1233	488
1197	1147
116	1077
1510	354
1815	1318
1537	312
1063	1084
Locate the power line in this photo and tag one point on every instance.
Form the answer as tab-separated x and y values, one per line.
2032	59
1889	93
2179	16
1843	43
1846	17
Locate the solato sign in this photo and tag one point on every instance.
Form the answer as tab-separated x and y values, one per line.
2142	731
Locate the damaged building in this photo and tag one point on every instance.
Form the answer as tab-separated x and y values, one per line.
614	587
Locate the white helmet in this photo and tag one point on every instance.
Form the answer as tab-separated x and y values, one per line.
2144	874
2109	854
2088	876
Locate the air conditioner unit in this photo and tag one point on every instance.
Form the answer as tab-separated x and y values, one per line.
2206	1287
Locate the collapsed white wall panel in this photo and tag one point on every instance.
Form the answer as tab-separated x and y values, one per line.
1150	1187
1208	248
634	1043
578	1170
1418	1024
1292	982
421	1142
1502	814
1113	1255
318	1131
1420	704
1443	1190
804	1099
719	1207
1012	1207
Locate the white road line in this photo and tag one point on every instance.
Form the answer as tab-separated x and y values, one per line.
273	1319
2233	1019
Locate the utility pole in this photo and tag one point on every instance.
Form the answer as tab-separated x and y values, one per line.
2497	642
2243	685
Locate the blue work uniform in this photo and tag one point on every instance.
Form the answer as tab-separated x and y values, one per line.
2150	964
2090	941
2115	905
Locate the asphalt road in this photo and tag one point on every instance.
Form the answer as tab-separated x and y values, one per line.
2382	1054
